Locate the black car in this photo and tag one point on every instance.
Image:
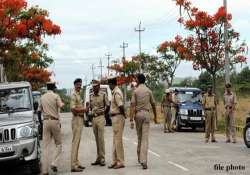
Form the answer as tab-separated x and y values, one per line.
189	111
246	132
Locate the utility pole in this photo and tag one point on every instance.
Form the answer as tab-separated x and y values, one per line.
93	72
227	59
124	46
139	30
101	66
108	55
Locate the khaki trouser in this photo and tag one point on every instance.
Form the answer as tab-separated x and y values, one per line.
142	120
173	111
230	125
98	124
118	123
210	124
77	125
51	129
167	118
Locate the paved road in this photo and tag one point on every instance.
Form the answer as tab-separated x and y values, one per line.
183	153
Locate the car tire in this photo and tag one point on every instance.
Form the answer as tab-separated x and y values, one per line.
35	166
178	127
193	128
246	135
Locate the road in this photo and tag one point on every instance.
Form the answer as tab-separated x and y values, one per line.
182	153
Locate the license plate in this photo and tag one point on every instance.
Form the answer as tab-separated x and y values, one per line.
195	118
6	149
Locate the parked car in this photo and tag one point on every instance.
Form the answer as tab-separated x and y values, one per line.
19	139
246	132
36	101
189	111
88	117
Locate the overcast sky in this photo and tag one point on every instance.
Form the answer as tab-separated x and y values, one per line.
91	29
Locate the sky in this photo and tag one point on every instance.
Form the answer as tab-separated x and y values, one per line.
92	29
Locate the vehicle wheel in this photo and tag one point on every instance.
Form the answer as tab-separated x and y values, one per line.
35	166
194	128
246	135
177	126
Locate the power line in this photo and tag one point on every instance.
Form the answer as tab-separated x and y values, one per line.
139	30
101	66
124	46
108	55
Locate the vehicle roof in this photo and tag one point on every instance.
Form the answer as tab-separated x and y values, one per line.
12	85
101	86
185	89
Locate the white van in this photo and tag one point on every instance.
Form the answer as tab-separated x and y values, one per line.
88	92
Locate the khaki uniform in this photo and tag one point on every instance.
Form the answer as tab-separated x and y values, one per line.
50	103
230	103
77	125
167	105
173	108
209	105
97	105
118	122
142	98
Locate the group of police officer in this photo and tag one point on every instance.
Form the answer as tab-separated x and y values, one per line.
141	103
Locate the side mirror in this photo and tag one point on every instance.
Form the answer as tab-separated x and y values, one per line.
35	105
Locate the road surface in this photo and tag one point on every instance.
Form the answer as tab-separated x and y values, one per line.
182	153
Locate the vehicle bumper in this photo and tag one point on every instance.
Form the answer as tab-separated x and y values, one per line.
186	121
23	150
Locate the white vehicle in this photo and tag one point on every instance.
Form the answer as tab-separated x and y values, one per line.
88	92
19	137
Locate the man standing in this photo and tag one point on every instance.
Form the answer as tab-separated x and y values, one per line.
166	105
140	107
118	122
77	109
209	105
99	105
230	107
50	105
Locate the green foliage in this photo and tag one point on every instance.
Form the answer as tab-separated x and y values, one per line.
66	99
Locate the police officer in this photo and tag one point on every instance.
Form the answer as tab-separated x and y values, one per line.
166	105
230	107
99	105
77	109
50	105
209	105
118	122
140	107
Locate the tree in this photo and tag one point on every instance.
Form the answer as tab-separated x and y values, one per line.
22	49
170	59
205	47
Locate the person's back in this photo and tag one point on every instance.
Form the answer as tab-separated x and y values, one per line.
143	98
50	104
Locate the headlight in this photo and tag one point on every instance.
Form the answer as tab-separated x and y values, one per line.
203	112
24	131
183	111
184	117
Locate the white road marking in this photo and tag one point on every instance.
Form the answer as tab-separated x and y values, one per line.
178	166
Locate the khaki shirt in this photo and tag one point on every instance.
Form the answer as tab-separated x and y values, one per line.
50	105
98	103
230	100
76	101
117	100
142	98
209	101
167	101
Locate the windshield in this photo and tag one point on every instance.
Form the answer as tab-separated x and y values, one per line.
13	100
189	97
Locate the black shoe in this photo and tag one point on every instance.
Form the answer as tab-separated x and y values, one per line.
102	164
214	141
144	166
53	168
112	166
228	141
76	170
95	163
81	167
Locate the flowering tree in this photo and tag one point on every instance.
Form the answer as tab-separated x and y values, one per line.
22	49
169	58
205	47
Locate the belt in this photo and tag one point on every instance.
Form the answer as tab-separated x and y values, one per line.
50	118
209	109
98	114
230	107
147	110
112	115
